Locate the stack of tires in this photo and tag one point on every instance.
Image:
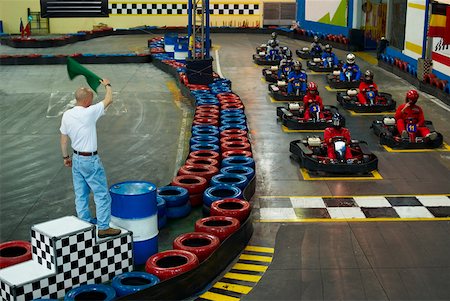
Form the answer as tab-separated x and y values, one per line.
177	201
162	216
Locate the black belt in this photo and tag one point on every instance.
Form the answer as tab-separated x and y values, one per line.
85	153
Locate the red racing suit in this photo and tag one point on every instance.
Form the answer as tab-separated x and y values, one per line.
363	87
412	111
306	102
332	132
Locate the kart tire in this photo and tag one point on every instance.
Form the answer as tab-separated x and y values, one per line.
234	139
204	146
228	146
205	154
91	292
203	161
239	209
205	171
199	243
230	179
173	195
162	221
246	171
237	160
179	211
14	252
220	226
193	184
233	153
220	192
171	263
161	204
233	132
132	282
196	199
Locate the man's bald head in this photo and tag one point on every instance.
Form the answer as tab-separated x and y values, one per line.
84	96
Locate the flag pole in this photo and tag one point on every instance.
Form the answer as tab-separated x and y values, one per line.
425	31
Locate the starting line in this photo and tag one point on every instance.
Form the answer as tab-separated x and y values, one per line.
374	175
445	148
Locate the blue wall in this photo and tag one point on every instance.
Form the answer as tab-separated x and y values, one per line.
321	27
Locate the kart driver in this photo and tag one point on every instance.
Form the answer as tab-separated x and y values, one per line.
329	54
338	130
352	67
297	75
312	97
366	85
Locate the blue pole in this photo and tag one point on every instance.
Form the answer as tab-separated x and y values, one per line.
207	28
190	27
425	29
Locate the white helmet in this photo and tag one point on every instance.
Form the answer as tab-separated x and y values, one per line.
351	58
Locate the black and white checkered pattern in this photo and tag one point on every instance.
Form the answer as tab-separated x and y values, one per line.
179	9
79	260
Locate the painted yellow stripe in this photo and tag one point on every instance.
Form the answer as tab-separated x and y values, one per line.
347	196
287	130
328	220
263	79
218	297
413	47
278	101
259	249
445	148
353	113
438	20
375	176
334	90
243	277
249	267
367	57
255	258
241	289
417	6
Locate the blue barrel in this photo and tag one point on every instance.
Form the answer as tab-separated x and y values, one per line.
134	207
181	48
170	39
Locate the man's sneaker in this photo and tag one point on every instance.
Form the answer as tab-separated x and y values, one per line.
432	136
108	232
404	135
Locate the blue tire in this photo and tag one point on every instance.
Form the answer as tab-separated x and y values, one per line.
205	132
173	195
204	139
179	211
162	221
161	204
233	126
229	179
240	170
204	127
91	292
238	160
132	282
220	192
231	111
205	146
232	116
234	121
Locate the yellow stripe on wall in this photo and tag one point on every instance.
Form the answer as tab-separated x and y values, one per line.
438	20
417	6
413	47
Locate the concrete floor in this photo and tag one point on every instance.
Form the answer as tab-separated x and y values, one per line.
137	142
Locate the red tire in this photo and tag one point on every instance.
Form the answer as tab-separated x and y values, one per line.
203	115
207	111
196	199
233	139
202	161
232	106
233	132
201	107
239	209
441	84
193	184
209	121
171	263
199	243
205	171
220	226
227	146
201	154
14	252
227	95
232	153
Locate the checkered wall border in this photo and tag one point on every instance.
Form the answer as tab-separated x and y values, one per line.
180	9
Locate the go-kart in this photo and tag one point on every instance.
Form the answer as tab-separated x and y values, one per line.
305	53
271	58
386	129
377	102
312	154
261	48
278	91
334	81
317	65
271	74
292	116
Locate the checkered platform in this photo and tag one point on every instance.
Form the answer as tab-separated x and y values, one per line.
303	208
180	9
75	259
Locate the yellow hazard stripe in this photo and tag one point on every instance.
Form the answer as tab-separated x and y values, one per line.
218	297
249	267
417	6
242	289
413	47
242	277
259	249
255	258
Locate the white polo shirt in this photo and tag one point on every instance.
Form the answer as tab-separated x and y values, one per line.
79	123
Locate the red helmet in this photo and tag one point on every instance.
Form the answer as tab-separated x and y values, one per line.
412	96
312	86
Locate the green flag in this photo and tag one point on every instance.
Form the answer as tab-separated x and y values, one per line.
74	69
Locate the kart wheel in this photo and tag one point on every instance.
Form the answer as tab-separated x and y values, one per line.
193	184
220	226
205	171
171	263
132	282
205	154
220	192
199	243
239	209
91	292
14	252
173	195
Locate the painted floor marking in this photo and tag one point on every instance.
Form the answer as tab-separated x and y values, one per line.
242	289
334	90
218	297
256	258
280	101
249	267
353	113
367	57
287	130
373	175
445	148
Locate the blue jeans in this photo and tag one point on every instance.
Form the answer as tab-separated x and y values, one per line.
88	174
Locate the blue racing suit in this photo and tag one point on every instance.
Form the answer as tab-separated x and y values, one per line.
355	72
285	68
329	55
299	78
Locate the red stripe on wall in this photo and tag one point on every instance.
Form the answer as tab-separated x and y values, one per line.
440	58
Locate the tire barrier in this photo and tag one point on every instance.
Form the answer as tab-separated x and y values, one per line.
203	161
179	211
161	204
199	243
205	115
205	171
232	116
233	132
237	180
209	121
220	192
134	207
220	226
196	199
240	139
205	154
236	145
91	292
447	89
233	153
239	209
237	160
205	132
14	252
240	170
171	263
206	110
204	146
204	139
234	121
193	184
162	221
132	282
233	126
231	111
232	106
173	195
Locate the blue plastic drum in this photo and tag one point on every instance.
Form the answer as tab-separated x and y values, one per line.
181	48
134	207
170	39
